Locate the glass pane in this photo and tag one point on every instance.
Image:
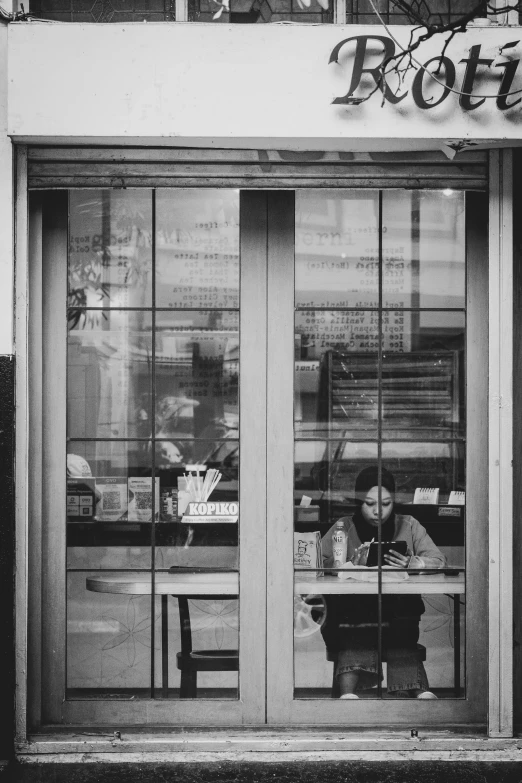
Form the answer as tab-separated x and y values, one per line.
339	348
336	248
261	11
197	239
108	636
110	248
423	383
397	378
104	11
108	538
424	249
197	542
109	357
436	12
419	464
103	479
197	376
153	446
196	434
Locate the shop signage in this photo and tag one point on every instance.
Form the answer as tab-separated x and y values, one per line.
425	92
301	104
211	513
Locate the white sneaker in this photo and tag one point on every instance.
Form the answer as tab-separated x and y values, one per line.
349	696
427	695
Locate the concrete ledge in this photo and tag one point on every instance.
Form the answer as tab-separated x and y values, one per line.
264	746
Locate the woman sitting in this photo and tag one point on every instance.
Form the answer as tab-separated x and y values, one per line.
351	628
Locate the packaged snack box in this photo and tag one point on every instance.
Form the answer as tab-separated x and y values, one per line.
80	499
169	504
307	550
140	499
111	503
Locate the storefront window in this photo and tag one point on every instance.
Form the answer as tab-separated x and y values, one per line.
360	334
379	422
104	11
360	12
431	11
262	11
152	423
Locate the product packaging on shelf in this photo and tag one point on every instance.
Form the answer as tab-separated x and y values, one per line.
111	498
140	499
307	550
80	499
169	504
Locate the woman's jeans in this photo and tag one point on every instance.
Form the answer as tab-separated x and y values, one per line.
399	645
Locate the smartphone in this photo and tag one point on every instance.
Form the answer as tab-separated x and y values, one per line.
398	546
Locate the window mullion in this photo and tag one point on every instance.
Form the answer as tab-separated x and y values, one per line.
339	11
181	10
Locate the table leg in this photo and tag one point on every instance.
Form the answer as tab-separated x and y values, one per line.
164	647
456	642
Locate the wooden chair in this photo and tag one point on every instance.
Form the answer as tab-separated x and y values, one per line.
190	661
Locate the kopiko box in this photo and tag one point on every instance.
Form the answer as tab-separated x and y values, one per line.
211	513
80	499
307	550
140	499
111	503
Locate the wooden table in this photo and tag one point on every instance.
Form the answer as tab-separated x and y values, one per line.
183	586
225	584
416	584
190	584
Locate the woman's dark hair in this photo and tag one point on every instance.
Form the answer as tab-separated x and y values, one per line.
369	477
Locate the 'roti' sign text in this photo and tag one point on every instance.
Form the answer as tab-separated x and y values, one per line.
372	51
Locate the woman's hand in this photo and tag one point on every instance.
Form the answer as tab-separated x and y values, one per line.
361	555
396	560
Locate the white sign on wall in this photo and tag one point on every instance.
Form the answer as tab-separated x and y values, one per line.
259	86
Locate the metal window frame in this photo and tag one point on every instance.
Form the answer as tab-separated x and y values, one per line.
501	680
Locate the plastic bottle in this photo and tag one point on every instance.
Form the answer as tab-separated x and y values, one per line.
339	545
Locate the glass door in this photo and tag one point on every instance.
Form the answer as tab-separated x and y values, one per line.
153	608
376	422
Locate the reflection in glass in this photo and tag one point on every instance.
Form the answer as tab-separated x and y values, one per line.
336	248
336	383
423	246
324	604
207	545
197	249
423	387
203	637
110	248
146	407
197	380
261	11
108	634
420	464
109	490
335	376
109	357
